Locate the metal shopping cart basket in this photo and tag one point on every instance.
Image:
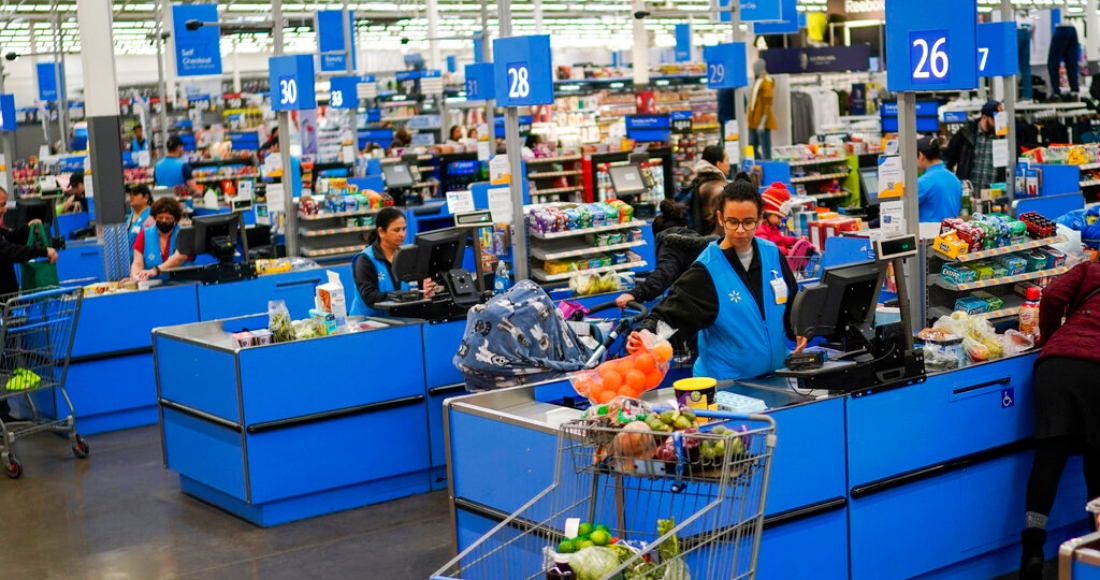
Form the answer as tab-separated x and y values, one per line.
687	514
36	337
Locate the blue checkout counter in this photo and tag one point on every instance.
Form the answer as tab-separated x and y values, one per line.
111	380
924	481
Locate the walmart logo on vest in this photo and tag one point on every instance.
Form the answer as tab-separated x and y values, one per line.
735	297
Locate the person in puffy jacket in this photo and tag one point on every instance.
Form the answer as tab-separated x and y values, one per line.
1067	400
777	207
677	250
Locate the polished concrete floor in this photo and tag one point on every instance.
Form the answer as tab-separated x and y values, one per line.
120	516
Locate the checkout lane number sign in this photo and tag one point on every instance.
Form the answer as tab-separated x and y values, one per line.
929	56
519	80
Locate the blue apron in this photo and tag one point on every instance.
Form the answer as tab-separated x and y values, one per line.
385	284
740	344
152	254
136	227
168	172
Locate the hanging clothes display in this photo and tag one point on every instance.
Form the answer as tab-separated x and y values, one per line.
802	117
1023	47
1064	47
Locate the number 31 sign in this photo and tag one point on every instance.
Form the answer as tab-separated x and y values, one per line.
926	51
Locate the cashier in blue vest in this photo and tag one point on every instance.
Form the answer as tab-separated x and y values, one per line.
737	295
939	192
138	142
155	247
173	170
372	269
140	216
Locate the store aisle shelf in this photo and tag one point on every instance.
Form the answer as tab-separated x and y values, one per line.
556	190
343	214
1090	183
217	178
553	174
584	231
562	249
939	281
541	275
562	159
1089	166
821	161
1002	251
140	182
331	252
1011	309
334	231
829	196
822	177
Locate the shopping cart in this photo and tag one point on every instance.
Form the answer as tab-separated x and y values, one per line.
696	515
36	337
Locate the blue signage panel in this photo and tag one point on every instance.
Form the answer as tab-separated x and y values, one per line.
683	43
344	92
523	71
479	45
955	117
997	56
480	81
291	79
789	24
762	11
408	75
380	137
47	81
244	140
927	113
198	52
681	122
817	59
330	40
452	64
524	122
726	65
374	115
7	113
926	51
648	127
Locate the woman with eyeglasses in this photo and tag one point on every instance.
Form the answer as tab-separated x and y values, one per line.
737	295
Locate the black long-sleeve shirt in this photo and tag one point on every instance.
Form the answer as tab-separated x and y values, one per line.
366	276
677	249
14	250
692	303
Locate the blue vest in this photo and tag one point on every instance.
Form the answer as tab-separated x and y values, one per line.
136	227
385	284
740	344
169	172
135	146
152	254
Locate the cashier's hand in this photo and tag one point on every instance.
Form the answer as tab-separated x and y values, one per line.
800	344
623	299
52	255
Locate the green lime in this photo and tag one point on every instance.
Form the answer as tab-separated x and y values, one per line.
584	530
566	547
582	544
600	538
603	528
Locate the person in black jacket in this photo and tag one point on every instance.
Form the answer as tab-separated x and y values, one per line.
677	249
13	250
970	152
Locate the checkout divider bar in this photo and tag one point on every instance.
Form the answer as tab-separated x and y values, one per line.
110	355
201	415
447	390
938	469
336	414
1000	381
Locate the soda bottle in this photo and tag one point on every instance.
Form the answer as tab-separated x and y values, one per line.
561	569
1029	314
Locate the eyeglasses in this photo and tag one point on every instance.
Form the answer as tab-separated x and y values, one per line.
747	224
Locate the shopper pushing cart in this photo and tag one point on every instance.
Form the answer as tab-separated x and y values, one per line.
36	338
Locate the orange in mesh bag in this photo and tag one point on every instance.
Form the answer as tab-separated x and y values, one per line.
630	376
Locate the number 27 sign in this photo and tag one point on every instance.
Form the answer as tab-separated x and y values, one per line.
926	51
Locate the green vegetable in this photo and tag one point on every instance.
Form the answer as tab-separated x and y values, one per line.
584	530
566	547
594	563
670	548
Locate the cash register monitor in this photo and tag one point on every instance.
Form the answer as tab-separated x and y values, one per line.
397	176
432	255
626	180
28	210
841	305
216	235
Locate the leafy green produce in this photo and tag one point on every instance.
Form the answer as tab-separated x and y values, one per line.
594	563
566	547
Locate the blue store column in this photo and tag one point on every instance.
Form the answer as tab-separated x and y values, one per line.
104	131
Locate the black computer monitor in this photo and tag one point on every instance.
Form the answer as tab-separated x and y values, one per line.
626	180
869	183
842	305
397	176
28	210
216	235
433	254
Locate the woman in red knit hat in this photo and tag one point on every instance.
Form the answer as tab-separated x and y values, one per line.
777	207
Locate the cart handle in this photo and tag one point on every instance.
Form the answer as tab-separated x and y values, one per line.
642	309
709	414
620	328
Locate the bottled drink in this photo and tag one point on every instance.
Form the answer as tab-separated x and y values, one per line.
503	279
561	569
1029	314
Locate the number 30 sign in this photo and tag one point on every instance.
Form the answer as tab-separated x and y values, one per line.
291	80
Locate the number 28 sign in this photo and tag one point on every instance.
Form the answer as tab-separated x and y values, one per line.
523	71
926	51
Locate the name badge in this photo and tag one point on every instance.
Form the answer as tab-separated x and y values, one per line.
779	288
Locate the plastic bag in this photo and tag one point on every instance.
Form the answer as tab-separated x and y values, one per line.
958	324
630	376
976	351
1016	342
589	283
278	322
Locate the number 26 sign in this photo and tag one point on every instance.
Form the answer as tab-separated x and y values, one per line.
926	51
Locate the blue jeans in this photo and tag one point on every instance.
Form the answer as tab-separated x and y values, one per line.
1064	47
761	142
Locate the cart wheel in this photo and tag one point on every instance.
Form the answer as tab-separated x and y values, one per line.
80	448
13	468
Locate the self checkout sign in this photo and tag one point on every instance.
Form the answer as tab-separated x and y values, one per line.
291	79
997	56
926	51
726	68
523	72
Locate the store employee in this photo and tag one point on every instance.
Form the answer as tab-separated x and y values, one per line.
939	192
372	269
140	212
737	295
173	170
138	142
155	247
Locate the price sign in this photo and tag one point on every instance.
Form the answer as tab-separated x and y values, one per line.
479	82
726	68
927	52
7	113
523	72
997	56
291	80
681	122
344	92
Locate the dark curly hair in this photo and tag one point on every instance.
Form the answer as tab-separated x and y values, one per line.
168	205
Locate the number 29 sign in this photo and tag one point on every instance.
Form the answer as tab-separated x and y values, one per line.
927	52
291	79
523	71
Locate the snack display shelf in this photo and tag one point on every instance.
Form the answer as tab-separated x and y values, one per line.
552	174
821	161
828	196
556	190
396	119
583	231
562	159
562	250
822	177
1089	166
1090	183
1001	251
937	312
216	178
938	280
705	127
541	275
130	182
343	214
331	252
334	231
